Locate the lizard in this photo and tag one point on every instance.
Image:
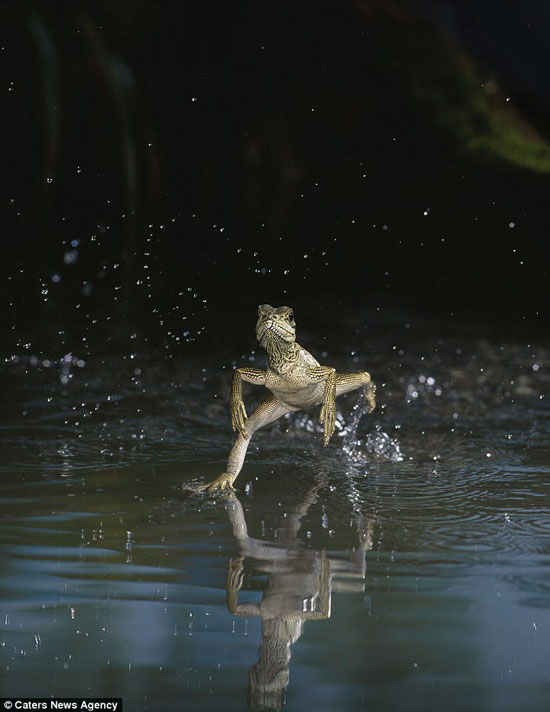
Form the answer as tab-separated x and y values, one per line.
295	380
298	586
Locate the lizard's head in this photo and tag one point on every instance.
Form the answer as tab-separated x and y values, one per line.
275	325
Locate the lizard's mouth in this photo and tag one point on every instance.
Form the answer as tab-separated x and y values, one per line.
270	330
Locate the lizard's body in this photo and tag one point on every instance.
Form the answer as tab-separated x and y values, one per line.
290	384
295	380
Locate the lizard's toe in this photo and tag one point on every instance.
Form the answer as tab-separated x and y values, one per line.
223	483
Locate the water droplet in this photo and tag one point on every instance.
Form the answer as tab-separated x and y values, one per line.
70	257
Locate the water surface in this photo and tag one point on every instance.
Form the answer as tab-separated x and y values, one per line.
406	566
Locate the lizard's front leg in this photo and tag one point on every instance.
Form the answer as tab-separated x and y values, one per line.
328	409
236	403
234	582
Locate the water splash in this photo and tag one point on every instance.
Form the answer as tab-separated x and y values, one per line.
351	444
377	441
380	443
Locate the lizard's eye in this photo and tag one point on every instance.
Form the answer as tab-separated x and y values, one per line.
290	316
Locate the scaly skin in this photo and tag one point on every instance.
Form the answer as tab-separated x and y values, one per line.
295	381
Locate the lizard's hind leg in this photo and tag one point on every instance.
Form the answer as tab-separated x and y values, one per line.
269	410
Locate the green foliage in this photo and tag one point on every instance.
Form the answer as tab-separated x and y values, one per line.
460	100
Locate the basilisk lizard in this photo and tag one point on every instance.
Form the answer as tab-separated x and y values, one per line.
295	380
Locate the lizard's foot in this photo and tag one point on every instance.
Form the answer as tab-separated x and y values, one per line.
370	394
239	417
328	420
223	483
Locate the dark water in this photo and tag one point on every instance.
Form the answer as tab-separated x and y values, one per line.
404	567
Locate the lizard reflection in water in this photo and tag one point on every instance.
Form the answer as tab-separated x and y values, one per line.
296	381
298	588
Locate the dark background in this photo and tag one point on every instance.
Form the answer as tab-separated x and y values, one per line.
166	166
